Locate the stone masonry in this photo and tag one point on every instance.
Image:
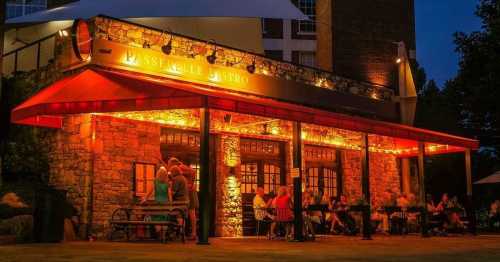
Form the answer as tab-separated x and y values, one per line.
92	158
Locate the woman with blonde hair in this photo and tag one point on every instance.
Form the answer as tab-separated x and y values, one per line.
160	188
162	194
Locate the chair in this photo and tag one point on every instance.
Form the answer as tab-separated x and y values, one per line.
260	217
284	216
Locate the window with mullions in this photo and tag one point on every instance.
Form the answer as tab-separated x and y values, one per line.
196	168
17	8
272	175
308	7
329	182
144	177
307	58
249	177
312	179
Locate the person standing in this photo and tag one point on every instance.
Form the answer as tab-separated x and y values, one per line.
190	176
179	189
162	195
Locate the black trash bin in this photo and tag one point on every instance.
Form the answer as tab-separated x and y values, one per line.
49	215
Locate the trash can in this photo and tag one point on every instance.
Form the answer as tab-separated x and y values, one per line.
49	215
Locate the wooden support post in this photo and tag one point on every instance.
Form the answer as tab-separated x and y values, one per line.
406	175
3	8
365	184
204	176
422	194
297	181
471	212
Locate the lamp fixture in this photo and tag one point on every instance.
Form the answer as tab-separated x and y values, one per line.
212	57
167	48
399	60
251	68
63	33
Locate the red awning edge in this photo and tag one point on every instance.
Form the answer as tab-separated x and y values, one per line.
100	91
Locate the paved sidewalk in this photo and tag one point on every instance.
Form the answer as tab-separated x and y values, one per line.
409	248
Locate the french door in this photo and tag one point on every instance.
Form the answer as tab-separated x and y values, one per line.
262	165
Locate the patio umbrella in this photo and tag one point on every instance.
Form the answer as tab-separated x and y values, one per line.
283	9
492	179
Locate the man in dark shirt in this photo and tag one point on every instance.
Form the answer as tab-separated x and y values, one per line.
179	185
179	188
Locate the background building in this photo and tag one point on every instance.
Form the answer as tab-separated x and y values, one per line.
17	8
352	38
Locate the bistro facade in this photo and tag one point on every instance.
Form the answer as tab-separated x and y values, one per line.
128	97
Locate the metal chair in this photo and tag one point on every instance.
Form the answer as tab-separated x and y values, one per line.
260	217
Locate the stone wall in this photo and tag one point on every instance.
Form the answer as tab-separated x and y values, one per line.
118	144
384	175
100	151
228	216
70	161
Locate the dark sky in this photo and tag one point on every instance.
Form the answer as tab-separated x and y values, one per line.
436	21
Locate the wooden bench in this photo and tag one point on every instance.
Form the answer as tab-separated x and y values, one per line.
127	219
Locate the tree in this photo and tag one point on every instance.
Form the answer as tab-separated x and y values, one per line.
476	89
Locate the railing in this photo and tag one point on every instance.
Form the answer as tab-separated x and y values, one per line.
140	36
21	59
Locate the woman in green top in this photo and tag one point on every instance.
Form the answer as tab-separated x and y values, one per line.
162	192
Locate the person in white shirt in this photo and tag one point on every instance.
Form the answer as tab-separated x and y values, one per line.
260	206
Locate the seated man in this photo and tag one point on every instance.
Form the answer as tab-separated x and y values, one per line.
260	206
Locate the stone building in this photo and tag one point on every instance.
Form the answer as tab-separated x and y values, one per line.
129	96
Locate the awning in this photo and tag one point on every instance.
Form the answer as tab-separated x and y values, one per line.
100	91
492	179
283	9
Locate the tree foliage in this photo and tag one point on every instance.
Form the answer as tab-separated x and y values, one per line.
477	85
468	104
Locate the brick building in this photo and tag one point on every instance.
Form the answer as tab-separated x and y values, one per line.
355	39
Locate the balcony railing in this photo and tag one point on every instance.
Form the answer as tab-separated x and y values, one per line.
39	55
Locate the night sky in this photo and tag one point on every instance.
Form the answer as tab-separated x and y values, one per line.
436	21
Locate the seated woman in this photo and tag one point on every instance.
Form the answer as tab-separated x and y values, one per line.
347	224
455	209
447	212
283	205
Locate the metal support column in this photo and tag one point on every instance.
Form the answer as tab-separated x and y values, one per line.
422	194
204	176
471	212
297	181
365	185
